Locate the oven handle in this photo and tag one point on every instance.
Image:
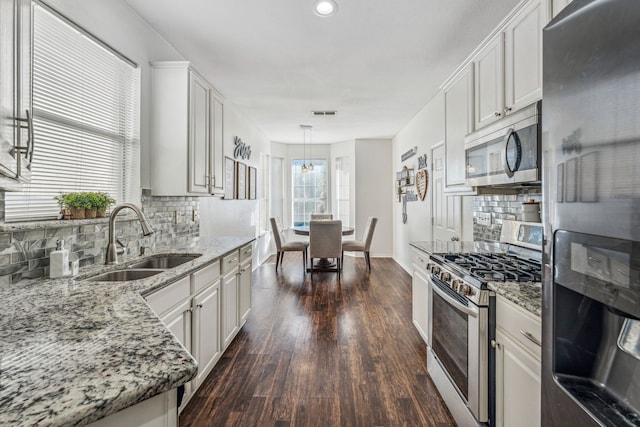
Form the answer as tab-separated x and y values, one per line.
466	310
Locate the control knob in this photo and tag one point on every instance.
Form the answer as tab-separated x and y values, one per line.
444	276
465	289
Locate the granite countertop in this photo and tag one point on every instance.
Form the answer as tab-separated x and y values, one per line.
526	294
73	351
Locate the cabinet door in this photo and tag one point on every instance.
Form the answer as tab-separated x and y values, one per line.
523	56
420	301
206	337
217	145
517	384
488	70
15	87
229	307
178	321
245	290
198	135
558	5
447	210
458	99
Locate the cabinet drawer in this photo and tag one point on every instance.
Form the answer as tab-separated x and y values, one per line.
204	277
161	301
420	259
245	252
230	261
523	327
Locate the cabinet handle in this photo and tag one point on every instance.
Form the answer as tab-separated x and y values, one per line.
26	150
497	114
531	338
508	109
495	344
233	260
188	310
200	305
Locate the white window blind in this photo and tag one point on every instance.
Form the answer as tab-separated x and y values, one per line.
86	120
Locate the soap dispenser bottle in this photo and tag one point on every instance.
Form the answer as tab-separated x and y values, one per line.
59	261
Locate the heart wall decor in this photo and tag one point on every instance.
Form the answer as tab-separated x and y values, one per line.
422	182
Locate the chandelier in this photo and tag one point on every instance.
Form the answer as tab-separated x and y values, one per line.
306	131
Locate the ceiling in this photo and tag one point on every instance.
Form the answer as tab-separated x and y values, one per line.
377	63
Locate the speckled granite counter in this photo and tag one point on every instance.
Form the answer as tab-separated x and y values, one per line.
526	295
73	351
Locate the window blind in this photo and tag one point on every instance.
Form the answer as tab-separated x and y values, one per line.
86	120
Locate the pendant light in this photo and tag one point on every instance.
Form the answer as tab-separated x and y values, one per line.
305	168
310	167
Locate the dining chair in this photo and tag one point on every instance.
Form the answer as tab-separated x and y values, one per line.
325	241
321	216
283	246
364	244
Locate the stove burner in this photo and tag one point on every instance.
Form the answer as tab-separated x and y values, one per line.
496	267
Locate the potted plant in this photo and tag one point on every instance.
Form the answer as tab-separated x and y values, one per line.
101	201
65	210
78	202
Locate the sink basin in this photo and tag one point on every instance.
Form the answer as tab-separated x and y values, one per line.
164	261
124	275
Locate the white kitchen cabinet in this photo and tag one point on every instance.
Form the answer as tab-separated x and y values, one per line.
523	55
508	68
187	114
244	278
488	68
558	5
230	325
518	384
206	330
420	294
459	122
178	321
158	411
16	126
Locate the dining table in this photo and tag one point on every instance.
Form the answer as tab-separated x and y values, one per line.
323	263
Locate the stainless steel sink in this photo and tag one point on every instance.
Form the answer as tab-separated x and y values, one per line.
124	275
164	261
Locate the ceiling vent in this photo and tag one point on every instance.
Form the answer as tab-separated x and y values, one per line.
324	113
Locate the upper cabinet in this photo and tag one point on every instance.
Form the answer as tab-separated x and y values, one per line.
16	125
458	100
508	68
187	147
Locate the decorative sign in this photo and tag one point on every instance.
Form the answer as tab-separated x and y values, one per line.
410	196
409	153
422	183
241	181
422	162
229	178
242	150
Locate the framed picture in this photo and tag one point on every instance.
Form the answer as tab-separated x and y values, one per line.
229	178
252	183
241	181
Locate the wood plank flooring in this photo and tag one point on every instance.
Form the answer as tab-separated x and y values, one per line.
323	353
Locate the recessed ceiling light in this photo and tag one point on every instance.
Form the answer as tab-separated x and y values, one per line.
325	7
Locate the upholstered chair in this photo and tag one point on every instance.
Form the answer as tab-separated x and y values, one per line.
364	244
282	246
325	241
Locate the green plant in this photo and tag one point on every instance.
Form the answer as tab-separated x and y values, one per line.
101	200
60	200
77	200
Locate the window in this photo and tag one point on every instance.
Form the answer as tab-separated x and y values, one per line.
85	108
310	191
342	189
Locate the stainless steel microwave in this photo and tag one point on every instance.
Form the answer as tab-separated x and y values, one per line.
507	151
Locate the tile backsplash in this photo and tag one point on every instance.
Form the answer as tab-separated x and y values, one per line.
25	248
500	207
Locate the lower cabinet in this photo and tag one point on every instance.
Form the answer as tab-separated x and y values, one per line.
518	384
206	310
420	295
230	324
205	331
245	290
157	411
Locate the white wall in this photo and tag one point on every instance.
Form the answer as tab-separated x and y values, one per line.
374	196
423	131
345	149
115	23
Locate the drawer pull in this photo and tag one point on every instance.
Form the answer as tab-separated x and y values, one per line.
233	259
495	344
531	338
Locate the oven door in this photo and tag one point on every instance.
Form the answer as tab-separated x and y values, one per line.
458	336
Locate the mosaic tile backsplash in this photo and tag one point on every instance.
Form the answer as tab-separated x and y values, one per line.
501	207
24	253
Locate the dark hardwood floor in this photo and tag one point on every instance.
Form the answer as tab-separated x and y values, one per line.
323	353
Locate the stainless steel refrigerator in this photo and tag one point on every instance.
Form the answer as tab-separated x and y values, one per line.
591	194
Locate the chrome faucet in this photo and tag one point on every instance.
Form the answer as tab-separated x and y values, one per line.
112	250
